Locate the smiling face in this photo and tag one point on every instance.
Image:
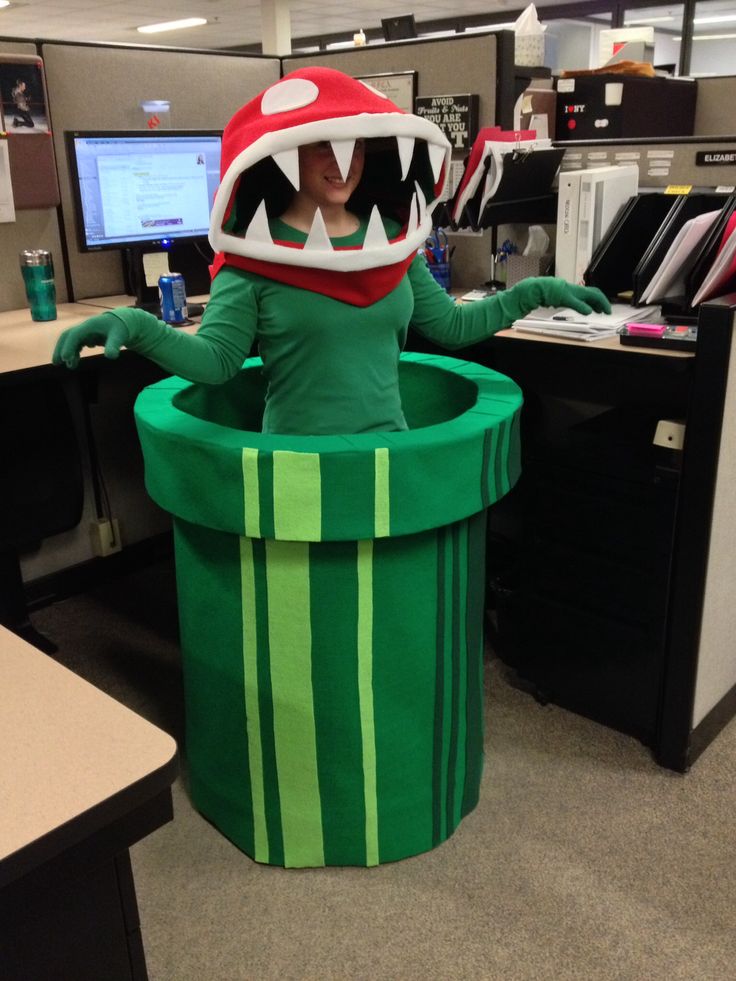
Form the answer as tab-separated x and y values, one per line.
323	179
295	121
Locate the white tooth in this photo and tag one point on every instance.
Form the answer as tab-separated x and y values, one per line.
436	159
422	203
318	239
258	230
288	161
413	217
375	236
406	152
343	151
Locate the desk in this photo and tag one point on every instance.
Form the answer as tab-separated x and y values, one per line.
614	603
27	344
81	779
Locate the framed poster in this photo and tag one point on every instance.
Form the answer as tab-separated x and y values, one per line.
456	116
24	118
400	88
22	96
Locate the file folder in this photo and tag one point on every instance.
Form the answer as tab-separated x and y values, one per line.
620	251
684	208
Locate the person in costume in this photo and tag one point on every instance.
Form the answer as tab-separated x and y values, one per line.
326	196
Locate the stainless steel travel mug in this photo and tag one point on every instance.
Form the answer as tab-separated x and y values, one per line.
37	267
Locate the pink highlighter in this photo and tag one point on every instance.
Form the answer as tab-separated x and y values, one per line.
646	330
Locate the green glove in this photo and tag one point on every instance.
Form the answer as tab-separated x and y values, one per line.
551	291
104	329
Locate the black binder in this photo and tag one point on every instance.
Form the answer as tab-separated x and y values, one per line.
526	174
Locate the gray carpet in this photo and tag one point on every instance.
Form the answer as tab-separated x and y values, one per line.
583	859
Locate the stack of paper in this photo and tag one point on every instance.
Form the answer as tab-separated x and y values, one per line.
723	270
566	322
669	278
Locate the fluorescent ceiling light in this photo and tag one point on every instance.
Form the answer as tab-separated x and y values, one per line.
172	25
647	20
716	19
709	37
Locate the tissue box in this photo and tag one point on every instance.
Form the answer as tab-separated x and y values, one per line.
520	267
529	49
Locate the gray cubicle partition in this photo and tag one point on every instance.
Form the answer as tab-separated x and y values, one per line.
101	87
470	64
32	229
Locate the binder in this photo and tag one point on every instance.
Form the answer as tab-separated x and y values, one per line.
521	174
621	249
494	152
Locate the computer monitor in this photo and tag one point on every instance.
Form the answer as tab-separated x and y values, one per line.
398	28
142	189
141	192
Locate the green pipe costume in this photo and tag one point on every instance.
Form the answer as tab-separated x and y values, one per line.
329	497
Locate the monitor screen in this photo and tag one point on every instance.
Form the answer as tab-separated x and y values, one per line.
140	189
399	28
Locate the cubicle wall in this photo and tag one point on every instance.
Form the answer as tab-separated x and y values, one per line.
93	87
714	113
34	229
452	66
716	668
101	87
661	162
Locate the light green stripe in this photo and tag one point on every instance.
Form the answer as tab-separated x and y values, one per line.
382	506
297	496
252	711
251	493
365	696
290	644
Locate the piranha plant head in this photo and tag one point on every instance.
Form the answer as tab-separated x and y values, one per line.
406	163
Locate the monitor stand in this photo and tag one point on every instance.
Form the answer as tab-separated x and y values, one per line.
134	278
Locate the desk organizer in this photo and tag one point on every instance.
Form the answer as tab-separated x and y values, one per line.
331	595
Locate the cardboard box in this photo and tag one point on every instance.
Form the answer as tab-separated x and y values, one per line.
605	107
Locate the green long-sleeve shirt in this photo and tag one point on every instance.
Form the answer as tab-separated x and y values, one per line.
331	367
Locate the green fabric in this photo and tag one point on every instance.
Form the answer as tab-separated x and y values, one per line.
329	720
350	487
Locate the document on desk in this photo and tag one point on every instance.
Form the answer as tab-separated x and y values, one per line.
566	322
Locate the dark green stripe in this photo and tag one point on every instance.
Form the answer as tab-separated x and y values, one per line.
474	613
439	697
334	614
268	745
404	583
265	489
514	455
208	580
455	698
485	491
348	488
499	461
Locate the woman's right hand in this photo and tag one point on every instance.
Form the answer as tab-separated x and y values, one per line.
103	330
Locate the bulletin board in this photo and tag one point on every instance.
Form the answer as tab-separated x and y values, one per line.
24	117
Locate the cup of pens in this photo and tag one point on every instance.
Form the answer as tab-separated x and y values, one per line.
437	256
